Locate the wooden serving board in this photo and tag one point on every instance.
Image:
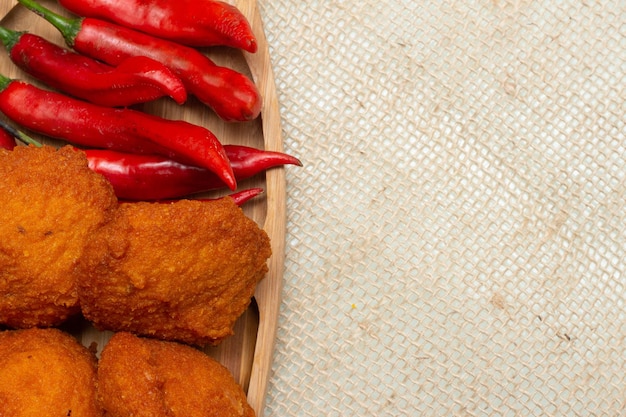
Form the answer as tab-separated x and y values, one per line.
248	354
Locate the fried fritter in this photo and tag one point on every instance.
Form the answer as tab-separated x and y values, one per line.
153	378
180	271
50	202
46	372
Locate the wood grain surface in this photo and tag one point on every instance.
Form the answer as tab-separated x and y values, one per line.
248	354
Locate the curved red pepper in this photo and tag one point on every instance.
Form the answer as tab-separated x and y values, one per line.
82	123
124	171
7	141
239	197
190	22
243	196
136	80
231	94
151	177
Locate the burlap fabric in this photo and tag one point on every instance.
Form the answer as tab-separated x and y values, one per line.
456	240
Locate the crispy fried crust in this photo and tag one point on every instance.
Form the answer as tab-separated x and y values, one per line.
45	372
50	203
180	271
153	378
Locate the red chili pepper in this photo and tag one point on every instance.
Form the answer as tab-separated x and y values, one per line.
190	22
78	122
136	80
151	177
243	196
7	141
231	94
115	166
239	197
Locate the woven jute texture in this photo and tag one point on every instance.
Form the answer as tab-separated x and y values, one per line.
457	237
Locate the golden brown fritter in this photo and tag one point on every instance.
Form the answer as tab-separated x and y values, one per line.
153	378
50	202
180	271
45	372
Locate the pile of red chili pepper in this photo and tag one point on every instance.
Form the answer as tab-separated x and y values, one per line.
147	54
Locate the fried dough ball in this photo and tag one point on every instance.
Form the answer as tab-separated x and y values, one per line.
152	378
181	271
50	203
46	372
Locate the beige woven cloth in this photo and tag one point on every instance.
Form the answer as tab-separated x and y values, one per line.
457	238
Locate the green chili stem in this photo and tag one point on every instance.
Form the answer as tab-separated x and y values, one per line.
19	134
4	82
9	37
69	28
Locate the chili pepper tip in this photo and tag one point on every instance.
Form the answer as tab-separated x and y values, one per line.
240	197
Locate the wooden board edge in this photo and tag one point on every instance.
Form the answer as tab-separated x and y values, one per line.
269	292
